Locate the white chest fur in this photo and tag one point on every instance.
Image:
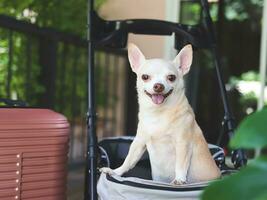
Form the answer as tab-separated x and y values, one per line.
162	131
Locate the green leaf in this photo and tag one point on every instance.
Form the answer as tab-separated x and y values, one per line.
262	197
248	184
252	131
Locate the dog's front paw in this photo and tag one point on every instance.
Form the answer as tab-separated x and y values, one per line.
109	171
106	170
178	181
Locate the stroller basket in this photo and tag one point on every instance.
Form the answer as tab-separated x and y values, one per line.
137	183
121	188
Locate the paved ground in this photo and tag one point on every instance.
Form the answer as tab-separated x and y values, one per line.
75	184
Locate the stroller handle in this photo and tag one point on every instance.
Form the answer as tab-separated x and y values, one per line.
114	34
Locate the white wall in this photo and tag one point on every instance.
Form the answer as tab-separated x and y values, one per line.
152	46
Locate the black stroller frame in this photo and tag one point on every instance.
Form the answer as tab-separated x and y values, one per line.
114	34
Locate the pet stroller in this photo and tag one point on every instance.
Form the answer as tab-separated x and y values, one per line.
114	34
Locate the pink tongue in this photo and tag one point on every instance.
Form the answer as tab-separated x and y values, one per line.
157	98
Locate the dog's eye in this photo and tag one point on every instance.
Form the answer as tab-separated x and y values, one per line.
171	78
145	77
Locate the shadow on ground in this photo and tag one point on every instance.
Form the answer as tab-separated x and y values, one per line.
76	184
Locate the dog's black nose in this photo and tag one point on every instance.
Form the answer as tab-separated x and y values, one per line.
158	87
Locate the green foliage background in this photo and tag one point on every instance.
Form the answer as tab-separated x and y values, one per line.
250	182
68	15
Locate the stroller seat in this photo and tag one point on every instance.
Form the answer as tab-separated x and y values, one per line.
137	183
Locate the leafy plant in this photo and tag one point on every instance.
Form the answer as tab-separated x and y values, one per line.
251	182
69	15
243	10
248	84
25	84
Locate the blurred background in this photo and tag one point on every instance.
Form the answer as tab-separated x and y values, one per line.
43	61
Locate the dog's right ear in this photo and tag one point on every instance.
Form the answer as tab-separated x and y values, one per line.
136	57
184	59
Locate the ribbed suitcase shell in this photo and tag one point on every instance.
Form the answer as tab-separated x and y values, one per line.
33	154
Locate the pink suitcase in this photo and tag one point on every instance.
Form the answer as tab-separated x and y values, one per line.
33	154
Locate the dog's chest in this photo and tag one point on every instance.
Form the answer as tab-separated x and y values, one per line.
162	158
155	127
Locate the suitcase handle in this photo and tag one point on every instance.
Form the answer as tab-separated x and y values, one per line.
13	103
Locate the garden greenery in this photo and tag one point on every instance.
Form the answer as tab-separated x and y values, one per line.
251	182
67	16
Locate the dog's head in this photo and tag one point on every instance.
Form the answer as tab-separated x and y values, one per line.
160	82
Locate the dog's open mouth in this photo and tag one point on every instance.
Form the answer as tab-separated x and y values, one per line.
158	98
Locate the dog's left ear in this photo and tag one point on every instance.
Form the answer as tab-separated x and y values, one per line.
184	59
136	57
